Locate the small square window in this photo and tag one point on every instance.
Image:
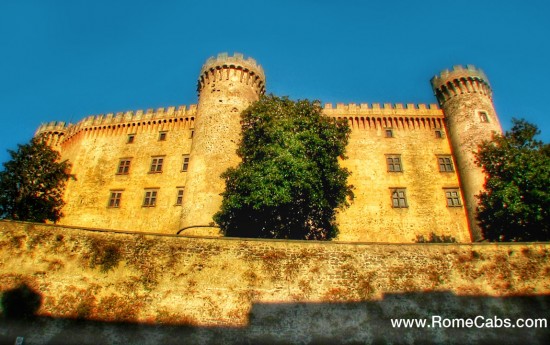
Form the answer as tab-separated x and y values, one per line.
453	197
150	199
162	136
399	198
123	166
185	165
131	138
114	200
156	165
179	197
389	133
445	163
394	163
483	116
438	133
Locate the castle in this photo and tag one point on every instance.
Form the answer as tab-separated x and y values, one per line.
158	171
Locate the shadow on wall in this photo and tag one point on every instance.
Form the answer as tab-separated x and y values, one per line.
20	303
304	323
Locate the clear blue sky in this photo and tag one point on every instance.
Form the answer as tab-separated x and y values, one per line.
64	60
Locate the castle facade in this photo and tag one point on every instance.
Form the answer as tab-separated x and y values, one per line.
158	171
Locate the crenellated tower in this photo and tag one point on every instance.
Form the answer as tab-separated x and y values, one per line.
465	96
54	134
227	85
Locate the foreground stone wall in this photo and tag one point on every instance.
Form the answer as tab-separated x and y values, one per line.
133	287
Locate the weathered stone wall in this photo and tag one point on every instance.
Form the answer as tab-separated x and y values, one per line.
95	148
465	93
371	217
273	291
227	86
209	135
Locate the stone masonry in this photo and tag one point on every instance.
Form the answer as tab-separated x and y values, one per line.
159	170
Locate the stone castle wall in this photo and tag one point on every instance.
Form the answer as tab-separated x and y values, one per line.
95	147
97	144
206	137
268	291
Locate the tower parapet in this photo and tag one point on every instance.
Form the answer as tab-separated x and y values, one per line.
466	98
248	71
461	80
53	132
227	85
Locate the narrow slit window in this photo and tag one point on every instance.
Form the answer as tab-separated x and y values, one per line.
179	197
185	164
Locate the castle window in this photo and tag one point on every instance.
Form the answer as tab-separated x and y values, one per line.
394	163
150	199
156	165
123	166
114	200
162	136
445	163
483	117
453	197
191	134
438	133
131	138
399	198
179	197
185	165
389	133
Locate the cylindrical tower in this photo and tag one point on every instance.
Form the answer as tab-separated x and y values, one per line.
465	96
227	85
53	133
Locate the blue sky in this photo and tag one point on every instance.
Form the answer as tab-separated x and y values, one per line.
64	60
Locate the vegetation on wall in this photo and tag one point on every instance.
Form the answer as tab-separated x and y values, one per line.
32	183
289	183
515	205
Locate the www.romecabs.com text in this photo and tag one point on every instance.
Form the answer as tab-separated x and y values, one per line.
479	321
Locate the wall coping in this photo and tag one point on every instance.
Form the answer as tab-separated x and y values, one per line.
267	241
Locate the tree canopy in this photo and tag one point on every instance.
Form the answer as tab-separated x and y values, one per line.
515	205
32	183
289	183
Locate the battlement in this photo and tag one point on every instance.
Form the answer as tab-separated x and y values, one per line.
384	109
459	72
238	59
460	80
119	119
56	127
221	67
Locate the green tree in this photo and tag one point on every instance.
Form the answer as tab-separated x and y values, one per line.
289	183
32	183
515	204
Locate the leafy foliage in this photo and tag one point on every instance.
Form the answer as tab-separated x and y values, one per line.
434	238
289	183
515	205
32	183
